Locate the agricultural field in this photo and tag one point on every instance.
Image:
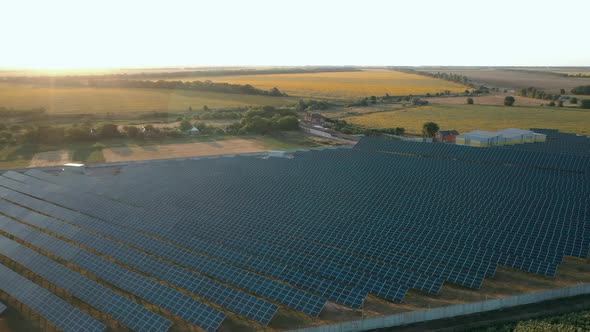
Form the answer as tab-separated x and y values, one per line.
90	100
512	79
341	85
492	99
465	118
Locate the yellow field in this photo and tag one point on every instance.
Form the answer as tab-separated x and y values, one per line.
90	100
341	85
465	118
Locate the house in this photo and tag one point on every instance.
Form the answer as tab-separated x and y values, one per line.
446	136
314	118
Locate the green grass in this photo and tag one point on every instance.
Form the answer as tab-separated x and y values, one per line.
465	118
103	100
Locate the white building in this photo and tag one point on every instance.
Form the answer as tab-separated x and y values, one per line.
478	138
507	136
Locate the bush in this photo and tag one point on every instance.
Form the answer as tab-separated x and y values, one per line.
185	125
6	137
585	103
552	104
469	101
560	103
509	101
574	100
15	128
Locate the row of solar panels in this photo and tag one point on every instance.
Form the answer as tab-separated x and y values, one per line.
190	310
530	155
239	220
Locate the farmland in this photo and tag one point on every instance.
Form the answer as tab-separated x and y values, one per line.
470	117
341	85
103	100
514	79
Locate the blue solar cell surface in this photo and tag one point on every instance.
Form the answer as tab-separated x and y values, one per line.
381	218
52	308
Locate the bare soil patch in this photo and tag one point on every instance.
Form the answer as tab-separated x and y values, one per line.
186	150
51	158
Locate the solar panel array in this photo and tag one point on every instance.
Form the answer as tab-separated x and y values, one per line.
61	314
247	235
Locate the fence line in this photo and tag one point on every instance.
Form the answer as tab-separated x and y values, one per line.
412	317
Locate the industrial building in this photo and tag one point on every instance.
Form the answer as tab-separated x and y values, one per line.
509	136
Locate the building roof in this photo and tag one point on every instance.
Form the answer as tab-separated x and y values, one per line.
448	132
194	129
512	132
482	133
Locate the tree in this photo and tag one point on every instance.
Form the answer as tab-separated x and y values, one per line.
77	134
552	104
469	101
430	129
509	101
560	103
574	100
585	103
289	122
373	100
185	125
205	108
190	108
108	130
581	90
132	131
562	91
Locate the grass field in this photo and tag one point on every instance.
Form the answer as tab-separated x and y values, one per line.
465	118
342	85
90	100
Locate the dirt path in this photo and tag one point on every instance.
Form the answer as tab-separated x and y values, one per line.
182	150
51	158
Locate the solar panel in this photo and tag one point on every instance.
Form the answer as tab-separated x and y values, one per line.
381	218
120	308
52	308
182	305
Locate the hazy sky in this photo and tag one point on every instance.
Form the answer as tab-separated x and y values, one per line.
125	33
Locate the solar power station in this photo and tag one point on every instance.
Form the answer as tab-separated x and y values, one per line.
198	241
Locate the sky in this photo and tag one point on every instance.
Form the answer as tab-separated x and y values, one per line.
62	34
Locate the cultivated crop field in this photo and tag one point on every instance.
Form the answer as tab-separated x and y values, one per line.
341	85
465	118
511	79
495	99
103	100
